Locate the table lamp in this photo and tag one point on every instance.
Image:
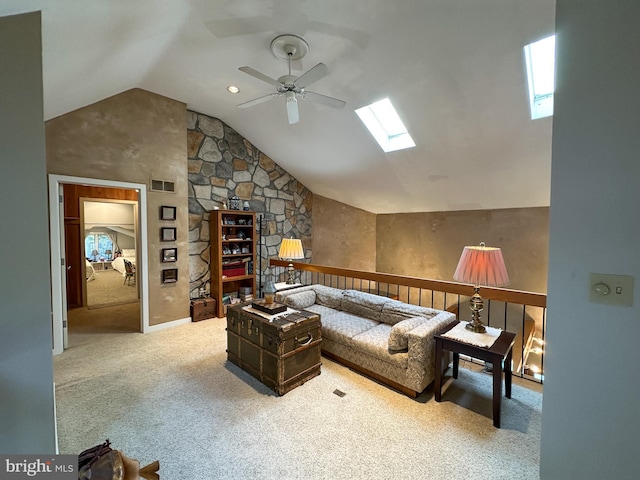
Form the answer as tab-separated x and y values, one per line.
94	254
291	249
480	266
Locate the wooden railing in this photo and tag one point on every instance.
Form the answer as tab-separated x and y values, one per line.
523	313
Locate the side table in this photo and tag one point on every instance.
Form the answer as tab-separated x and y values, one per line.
499	355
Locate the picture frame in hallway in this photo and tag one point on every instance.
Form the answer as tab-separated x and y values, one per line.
169	255
170	275
168	234
167	213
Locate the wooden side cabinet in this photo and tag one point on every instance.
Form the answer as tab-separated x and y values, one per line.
233	256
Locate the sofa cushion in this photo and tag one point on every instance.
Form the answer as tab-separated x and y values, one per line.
398	340
395	311
301	300
363	304
374	342
328	296
322	311
342	326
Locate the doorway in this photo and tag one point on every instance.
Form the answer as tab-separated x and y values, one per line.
109	232
70	264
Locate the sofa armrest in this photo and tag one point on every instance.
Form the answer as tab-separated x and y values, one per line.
421	354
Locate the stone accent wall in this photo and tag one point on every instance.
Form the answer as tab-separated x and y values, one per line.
221	164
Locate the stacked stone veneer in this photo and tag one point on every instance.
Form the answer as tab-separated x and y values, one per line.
222	164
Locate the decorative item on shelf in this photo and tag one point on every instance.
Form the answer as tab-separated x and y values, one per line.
480	266
245	206
94	254
269	292
234	203
291	249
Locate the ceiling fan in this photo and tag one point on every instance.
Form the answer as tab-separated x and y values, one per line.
292	47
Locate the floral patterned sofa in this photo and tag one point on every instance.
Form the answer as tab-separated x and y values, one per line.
386	339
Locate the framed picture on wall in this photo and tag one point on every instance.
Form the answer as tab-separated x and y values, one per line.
167	213
169	254
170	275
168	234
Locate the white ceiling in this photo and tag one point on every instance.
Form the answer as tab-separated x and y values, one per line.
454	70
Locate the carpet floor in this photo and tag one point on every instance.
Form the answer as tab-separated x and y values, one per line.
108	288
172	396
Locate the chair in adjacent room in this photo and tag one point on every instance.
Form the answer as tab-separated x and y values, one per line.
130	272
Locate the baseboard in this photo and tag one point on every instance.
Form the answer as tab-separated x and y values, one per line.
162	326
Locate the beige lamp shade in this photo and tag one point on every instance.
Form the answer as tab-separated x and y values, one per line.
291	249
482	265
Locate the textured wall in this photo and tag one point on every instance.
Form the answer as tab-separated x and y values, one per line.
133	137
222	164
428	245
343	236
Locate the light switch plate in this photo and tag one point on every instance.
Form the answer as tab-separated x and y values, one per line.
611	289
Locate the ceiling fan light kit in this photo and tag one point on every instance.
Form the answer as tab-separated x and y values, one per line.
291	47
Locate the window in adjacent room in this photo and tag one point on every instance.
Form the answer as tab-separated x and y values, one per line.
385	125
540	58
100	243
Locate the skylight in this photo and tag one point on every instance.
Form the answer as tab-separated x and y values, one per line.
540	57
385	125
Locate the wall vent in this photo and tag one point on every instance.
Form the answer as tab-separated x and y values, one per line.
163	186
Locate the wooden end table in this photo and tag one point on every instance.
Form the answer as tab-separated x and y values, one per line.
499	355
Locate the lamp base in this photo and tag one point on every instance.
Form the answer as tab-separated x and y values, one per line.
475	327
291	274
476	305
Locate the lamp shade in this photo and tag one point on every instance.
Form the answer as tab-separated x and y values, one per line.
481	265
291	249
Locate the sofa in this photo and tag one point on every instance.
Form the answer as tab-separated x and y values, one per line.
385	339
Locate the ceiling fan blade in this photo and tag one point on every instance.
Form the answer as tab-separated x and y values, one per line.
260	76
292	111
312	75
324	100
258	100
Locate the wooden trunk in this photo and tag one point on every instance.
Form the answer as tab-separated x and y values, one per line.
203	308
282	354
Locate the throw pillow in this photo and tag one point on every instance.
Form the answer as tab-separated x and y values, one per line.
398	340
301	300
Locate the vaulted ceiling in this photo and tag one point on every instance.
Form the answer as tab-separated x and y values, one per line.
454	70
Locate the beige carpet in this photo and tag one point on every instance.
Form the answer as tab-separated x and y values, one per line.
108	288
172	396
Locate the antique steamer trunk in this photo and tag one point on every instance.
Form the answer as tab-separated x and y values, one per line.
282	354
203	308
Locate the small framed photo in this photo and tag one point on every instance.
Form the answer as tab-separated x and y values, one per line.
168	234
170	275
169	255
167	213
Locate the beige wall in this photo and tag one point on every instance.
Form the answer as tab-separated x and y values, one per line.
428	245
343	236
133	137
